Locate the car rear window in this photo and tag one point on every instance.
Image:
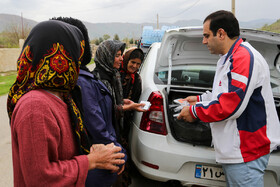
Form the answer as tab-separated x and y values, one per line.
188	75
201	76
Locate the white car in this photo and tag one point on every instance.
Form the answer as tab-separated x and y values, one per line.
165	149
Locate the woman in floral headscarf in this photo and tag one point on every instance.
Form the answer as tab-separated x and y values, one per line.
49	140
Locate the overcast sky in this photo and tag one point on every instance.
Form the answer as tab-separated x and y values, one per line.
138	11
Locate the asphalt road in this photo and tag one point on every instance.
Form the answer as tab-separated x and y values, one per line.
6	171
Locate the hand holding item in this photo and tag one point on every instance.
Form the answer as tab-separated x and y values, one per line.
147	105
191	99
186	115
130	105
127	101
105	157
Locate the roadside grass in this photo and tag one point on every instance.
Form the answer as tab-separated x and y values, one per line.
6	81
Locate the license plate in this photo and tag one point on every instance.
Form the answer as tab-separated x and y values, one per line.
209	172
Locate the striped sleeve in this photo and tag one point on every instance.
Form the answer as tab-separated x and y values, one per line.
227	103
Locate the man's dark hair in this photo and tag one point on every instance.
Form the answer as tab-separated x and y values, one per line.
78	23
225	20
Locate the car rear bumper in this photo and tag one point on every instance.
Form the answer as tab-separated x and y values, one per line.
177	161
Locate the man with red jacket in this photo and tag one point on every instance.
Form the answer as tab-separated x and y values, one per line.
244	122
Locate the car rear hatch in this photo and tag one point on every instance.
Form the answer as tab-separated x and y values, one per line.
187	68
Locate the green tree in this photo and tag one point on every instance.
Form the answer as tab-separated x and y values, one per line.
126	40
106	36
96	41
131	41
136	42
116	37
101	39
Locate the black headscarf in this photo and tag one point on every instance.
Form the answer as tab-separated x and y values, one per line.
104	60
50	59
104	70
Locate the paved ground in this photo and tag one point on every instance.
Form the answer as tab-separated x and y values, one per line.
6	171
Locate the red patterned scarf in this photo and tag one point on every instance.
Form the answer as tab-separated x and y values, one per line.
50	60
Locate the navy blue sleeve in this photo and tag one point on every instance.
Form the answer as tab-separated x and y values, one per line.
98	122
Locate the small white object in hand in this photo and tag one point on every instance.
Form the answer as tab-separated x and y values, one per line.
147	105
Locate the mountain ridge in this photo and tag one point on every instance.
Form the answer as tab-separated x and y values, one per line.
124	30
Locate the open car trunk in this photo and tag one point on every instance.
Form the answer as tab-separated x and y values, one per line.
196	133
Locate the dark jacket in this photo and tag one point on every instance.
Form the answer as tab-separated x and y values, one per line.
98	119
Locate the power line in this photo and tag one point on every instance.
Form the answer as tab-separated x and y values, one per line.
183	10
98	8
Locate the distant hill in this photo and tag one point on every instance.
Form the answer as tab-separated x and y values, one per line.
275	27
8	20
129	30
256	24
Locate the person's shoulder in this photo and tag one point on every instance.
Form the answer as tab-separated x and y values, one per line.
33	95
243	51
85	74
37	100
138	77
246	52
86	78
36	105
40	95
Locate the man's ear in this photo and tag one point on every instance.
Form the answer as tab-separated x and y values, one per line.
221	33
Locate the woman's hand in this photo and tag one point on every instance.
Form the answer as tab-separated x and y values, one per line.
105	157
130	105
121	170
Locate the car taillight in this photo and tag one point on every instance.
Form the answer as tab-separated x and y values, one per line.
153	120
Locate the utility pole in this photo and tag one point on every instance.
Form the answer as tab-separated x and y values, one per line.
157	22
22	34
233	7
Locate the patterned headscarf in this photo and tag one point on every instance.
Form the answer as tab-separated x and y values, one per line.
81	26
104	60
50	60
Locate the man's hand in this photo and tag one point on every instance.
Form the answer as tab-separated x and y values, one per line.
186	115
105	157
191	99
